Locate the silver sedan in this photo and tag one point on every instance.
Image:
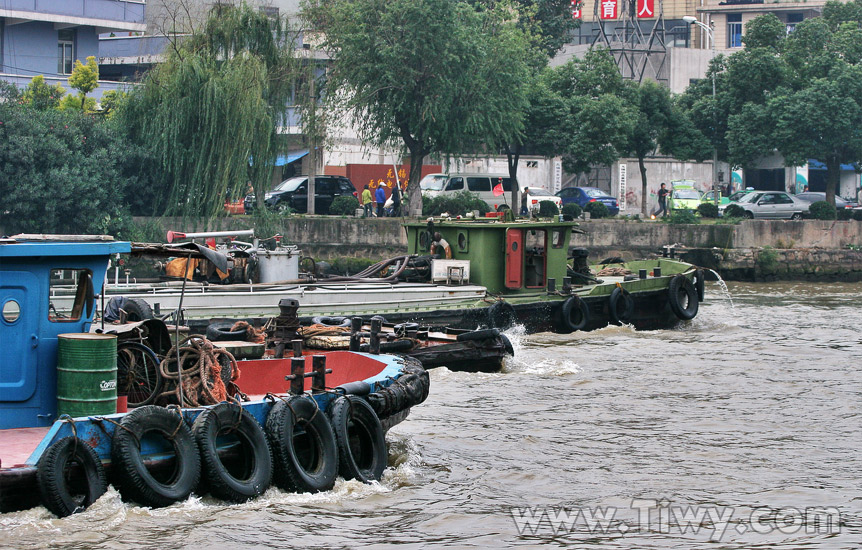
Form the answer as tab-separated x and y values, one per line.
774	205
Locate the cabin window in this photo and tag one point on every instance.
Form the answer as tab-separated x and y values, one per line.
535	260
557	238
462	242
67	294
11	311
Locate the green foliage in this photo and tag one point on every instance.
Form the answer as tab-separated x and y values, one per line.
597	210
822	210
41	96
454	204
345	205
9	92
708	210
112	101
734	211
572	210
71	102
684	216
63	172
85	79
214	105
767	259
548	209
857	215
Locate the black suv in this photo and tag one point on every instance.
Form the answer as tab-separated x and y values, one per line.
293	194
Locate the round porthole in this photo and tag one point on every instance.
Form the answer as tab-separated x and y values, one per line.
462	242
11	311
514	246
424	240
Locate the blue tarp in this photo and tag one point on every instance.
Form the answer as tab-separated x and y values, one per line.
817	165
282	160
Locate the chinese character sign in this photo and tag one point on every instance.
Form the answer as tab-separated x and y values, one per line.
576	9
646	8
608	9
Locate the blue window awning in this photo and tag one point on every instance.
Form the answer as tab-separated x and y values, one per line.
283	160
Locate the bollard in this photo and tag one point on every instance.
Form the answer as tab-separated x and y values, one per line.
657	271
318	366
297	347
552	284
374	343
355	329
642	273
297	375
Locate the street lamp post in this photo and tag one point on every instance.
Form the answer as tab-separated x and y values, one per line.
693	21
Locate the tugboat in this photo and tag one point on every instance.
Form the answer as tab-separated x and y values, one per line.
215	424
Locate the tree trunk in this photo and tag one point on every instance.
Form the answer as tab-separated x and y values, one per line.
512	160
414	193
833	178
644	195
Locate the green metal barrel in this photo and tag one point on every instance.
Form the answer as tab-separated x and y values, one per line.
86	374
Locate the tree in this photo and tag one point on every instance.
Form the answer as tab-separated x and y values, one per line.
84	78
214	106
426	74
41	96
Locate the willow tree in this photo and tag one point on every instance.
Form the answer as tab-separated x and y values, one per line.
438	75
211	111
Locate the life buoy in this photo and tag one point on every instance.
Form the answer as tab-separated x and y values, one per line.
447	249
682	297
501	315
700	284
57	493
359	437
574	314
331	321
303	446
246	477
621	306
136	481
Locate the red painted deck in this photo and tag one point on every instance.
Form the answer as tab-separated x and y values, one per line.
262	376
18	444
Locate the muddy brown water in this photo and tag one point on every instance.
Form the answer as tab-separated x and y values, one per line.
740	429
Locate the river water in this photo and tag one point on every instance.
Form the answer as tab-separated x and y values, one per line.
740	429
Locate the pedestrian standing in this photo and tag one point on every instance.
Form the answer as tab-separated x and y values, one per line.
662	201
396	200
525	212
380	197
366	201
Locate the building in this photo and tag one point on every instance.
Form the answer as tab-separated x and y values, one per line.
46	38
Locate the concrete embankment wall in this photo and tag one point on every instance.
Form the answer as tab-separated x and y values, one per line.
751	250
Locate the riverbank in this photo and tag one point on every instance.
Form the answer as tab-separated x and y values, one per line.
753	250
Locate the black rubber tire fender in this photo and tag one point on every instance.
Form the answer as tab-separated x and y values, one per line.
251	475
682	297
482	334
501	315
220	331
133	478
507	345
331	321
137	309
700	284
359	437
303	444
61	493
574	314
621	306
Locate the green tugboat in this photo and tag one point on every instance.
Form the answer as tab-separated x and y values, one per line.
534	277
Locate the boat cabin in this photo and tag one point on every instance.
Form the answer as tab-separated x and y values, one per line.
505	257
30	267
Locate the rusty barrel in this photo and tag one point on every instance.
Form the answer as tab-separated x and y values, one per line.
86	374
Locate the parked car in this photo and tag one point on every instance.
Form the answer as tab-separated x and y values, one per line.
584	195
535	195
683	196
481	185
293	194
814	196
709	197
734	197
770	205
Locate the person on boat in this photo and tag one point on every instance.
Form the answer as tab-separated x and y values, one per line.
662	201
380	198
366	200
525	212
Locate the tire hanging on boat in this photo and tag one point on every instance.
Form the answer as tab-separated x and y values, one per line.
241	478
63	488
304	451
221	331
161	484
621	306
409	389
359	437
574	314
501	315
700	284
682	297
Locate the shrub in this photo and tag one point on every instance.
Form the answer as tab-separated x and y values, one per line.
845	214
548	209
822	210
684	216
597	210
734	211
345	205
572	211
708	210
456	204
857	215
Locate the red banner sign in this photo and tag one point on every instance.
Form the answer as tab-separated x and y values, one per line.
576	9
608	9
646	8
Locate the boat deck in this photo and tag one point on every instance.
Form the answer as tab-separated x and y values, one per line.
18	444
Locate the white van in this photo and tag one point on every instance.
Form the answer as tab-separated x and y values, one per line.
482	185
